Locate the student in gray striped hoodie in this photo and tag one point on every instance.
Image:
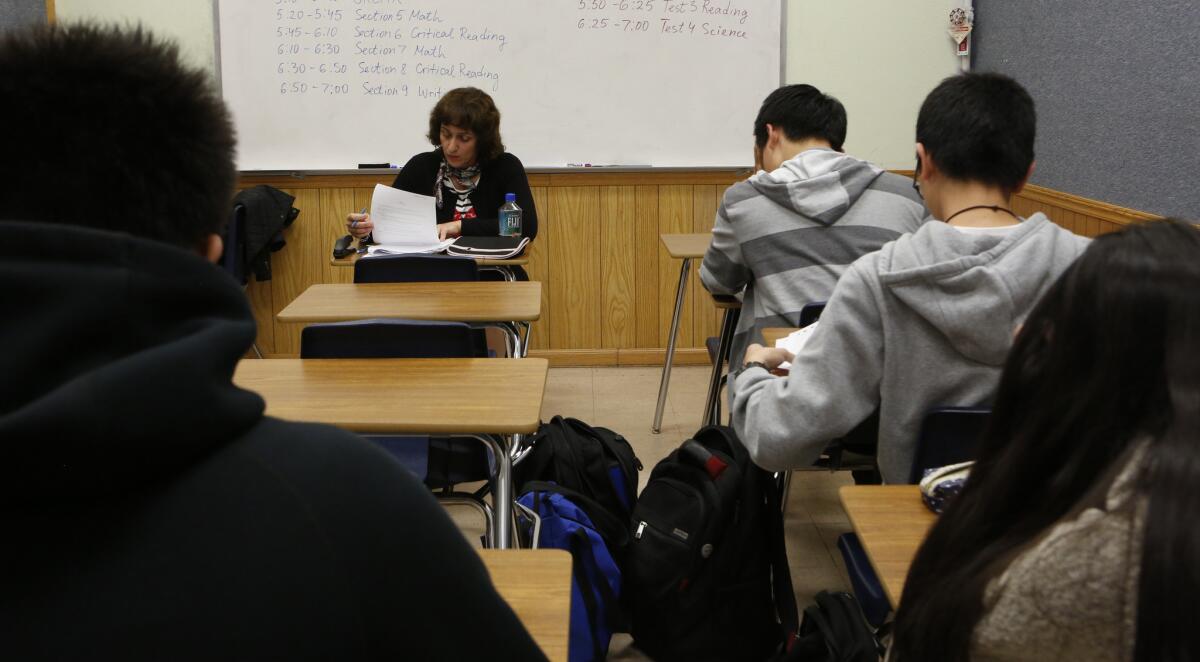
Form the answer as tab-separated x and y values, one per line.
784	236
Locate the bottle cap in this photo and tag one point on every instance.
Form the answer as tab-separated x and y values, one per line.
510	197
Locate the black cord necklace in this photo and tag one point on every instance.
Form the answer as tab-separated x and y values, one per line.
992	207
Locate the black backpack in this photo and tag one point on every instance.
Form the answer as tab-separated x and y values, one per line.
595	462
834	630
706	574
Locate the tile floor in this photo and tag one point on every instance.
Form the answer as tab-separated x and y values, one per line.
623	399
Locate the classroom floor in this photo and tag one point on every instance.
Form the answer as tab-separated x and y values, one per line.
623	399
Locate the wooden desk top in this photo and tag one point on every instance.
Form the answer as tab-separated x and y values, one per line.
349	261
536	583
771	334
484	301
680	246
891	522
402	396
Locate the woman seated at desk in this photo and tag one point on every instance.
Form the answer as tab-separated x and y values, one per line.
468	171
1075	536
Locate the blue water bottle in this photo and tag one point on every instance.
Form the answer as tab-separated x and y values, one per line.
510	216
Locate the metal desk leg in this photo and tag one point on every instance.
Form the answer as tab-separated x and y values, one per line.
512	337
506	272
528	333
514	333
680	292
502	489
712	408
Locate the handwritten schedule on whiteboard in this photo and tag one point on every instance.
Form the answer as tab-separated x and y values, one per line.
317	84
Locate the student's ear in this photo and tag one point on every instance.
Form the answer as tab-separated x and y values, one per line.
924	163
1025	180
212	248
774	135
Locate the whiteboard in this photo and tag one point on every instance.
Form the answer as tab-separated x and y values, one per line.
329	84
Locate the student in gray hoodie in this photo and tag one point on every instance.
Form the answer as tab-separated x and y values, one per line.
927	320
787	233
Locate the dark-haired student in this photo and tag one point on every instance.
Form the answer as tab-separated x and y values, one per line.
927	320
786	234
468	170
1075	536
151	511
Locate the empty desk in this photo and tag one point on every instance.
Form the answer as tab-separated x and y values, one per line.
455	397
891	522
501	304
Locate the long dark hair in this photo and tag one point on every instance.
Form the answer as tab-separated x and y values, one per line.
1109	356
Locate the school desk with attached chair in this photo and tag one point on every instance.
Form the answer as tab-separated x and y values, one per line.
451	397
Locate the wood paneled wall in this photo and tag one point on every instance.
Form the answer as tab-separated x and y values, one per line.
1089	218
609	285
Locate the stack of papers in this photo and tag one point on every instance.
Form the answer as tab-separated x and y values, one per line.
404	223
794	342
404	249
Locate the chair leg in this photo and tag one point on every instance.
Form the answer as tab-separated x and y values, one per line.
785	489
712	408
665	380
717	418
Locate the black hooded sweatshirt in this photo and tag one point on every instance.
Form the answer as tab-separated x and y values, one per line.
151	511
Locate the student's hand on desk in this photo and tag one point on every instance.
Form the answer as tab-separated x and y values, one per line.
768	356
359	225
448	230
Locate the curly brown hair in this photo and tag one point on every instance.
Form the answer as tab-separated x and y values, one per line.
469	108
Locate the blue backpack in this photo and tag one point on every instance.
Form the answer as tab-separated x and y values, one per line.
596	583
582	482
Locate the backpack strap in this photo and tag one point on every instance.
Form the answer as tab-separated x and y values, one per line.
630	469
581	548
781	576
724	439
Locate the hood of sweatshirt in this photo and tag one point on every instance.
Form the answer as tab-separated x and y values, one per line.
976	288
118	359
820	184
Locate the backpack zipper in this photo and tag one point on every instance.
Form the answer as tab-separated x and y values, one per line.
637	535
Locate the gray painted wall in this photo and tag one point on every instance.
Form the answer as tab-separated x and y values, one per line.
20	13
1117	87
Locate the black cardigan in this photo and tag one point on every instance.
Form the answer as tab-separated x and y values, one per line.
501	175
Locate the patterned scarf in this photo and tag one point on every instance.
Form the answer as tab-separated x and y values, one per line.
463	180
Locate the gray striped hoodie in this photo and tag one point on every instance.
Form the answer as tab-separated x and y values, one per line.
786	236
